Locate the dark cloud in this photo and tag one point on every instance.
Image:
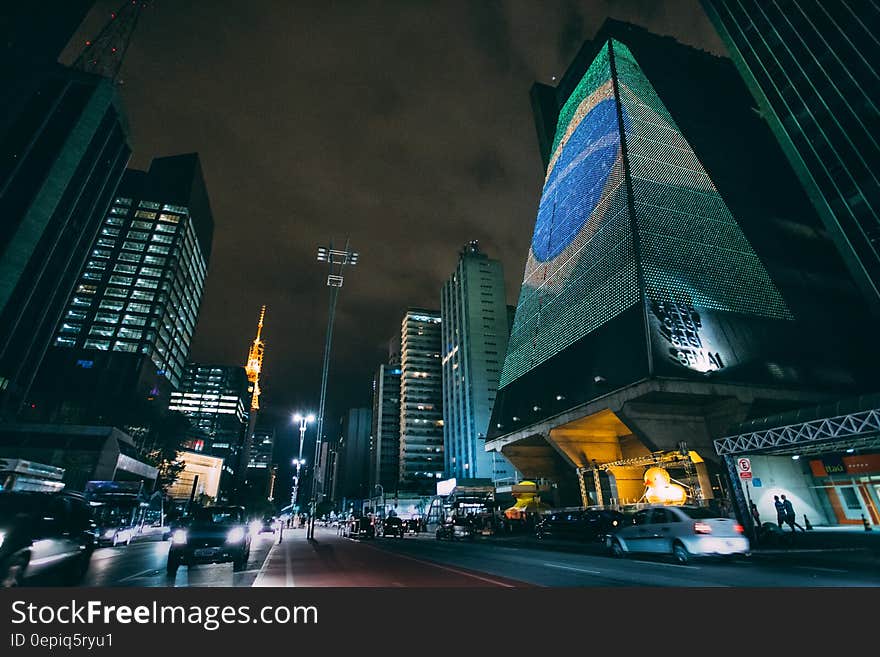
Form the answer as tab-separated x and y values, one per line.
403	125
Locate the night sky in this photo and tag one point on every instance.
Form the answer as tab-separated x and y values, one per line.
405	125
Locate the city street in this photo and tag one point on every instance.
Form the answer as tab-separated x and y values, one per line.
423	561
143	564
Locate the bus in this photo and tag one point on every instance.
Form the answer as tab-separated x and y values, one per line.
119	509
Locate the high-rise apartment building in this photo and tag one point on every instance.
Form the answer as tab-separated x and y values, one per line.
217	400
129	323
474	331
812	67
385	432
421	401
63	140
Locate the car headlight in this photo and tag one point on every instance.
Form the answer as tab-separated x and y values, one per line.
178	537
109	533
2	536
235	535
255	527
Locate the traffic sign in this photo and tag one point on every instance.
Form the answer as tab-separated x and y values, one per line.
745	475
744	465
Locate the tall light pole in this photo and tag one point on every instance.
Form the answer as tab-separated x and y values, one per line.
336	261
304	421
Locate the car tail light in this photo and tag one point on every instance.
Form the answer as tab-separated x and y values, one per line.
702	528
739	529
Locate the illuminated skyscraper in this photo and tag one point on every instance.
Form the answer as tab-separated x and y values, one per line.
421	401
126	333
812	66
217	399
474	331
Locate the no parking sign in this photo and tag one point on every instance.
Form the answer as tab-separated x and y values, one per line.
744	466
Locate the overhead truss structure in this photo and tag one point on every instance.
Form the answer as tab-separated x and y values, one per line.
854	430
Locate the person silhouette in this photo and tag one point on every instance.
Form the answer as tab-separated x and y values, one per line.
780	511
790	517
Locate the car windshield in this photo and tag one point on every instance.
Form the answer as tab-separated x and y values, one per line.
698	513
217	516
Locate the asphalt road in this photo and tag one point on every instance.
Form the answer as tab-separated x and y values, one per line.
423	561
143	564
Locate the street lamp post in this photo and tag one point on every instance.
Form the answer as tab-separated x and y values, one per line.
304	421
336	261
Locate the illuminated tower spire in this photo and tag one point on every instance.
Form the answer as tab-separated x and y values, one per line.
255	362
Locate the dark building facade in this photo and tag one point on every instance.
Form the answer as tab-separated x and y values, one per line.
671	288
811	66
64	148
353	456
385	431
128	324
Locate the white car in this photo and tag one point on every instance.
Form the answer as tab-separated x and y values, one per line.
682	531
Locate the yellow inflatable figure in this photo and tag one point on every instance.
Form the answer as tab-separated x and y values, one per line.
660	490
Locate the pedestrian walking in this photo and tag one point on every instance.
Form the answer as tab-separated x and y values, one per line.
790	517
755	515
780	511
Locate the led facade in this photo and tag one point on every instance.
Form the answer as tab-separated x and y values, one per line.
629	218
385	431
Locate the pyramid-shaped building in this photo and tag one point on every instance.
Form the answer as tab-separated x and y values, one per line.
646	322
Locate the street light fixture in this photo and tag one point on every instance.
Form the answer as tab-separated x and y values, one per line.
304	421
336	260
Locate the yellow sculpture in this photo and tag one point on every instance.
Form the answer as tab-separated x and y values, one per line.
659	488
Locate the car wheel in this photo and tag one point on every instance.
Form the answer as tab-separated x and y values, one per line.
681	554
77	570
115	540
616	549
438	535
12	572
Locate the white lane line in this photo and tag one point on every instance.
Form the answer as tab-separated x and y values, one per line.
447	568
671	565
258	580
827	570
580	570
140	574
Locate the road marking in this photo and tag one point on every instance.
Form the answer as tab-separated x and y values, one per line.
143	573
671	565
258	580
827	570
447	568
580	570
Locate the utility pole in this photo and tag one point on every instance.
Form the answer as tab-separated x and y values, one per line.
336	261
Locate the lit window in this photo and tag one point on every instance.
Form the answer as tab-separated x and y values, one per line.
106	241
116	292
150	204
173	218
101	253
140	295
108	318
92	275
81	301
121	280
143	225
112	232
147	283
102	331
139	307
125	346
64	342
134	334
142	214
166	228
133	246
114	221
153	260
125	269
76	314
155	248
151	271
70	328
137	235
165	239
134	320
129	257
86	289
102	345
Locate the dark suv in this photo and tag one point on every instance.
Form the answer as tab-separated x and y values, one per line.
44	536
392	526
589	525
214	534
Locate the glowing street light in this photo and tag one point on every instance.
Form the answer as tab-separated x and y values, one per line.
299	461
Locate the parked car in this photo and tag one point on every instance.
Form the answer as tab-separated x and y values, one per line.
586	525
681	531
44	536
215	534
392	526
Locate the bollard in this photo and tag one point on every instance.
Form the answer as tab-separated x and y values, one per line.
807	524
867	525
